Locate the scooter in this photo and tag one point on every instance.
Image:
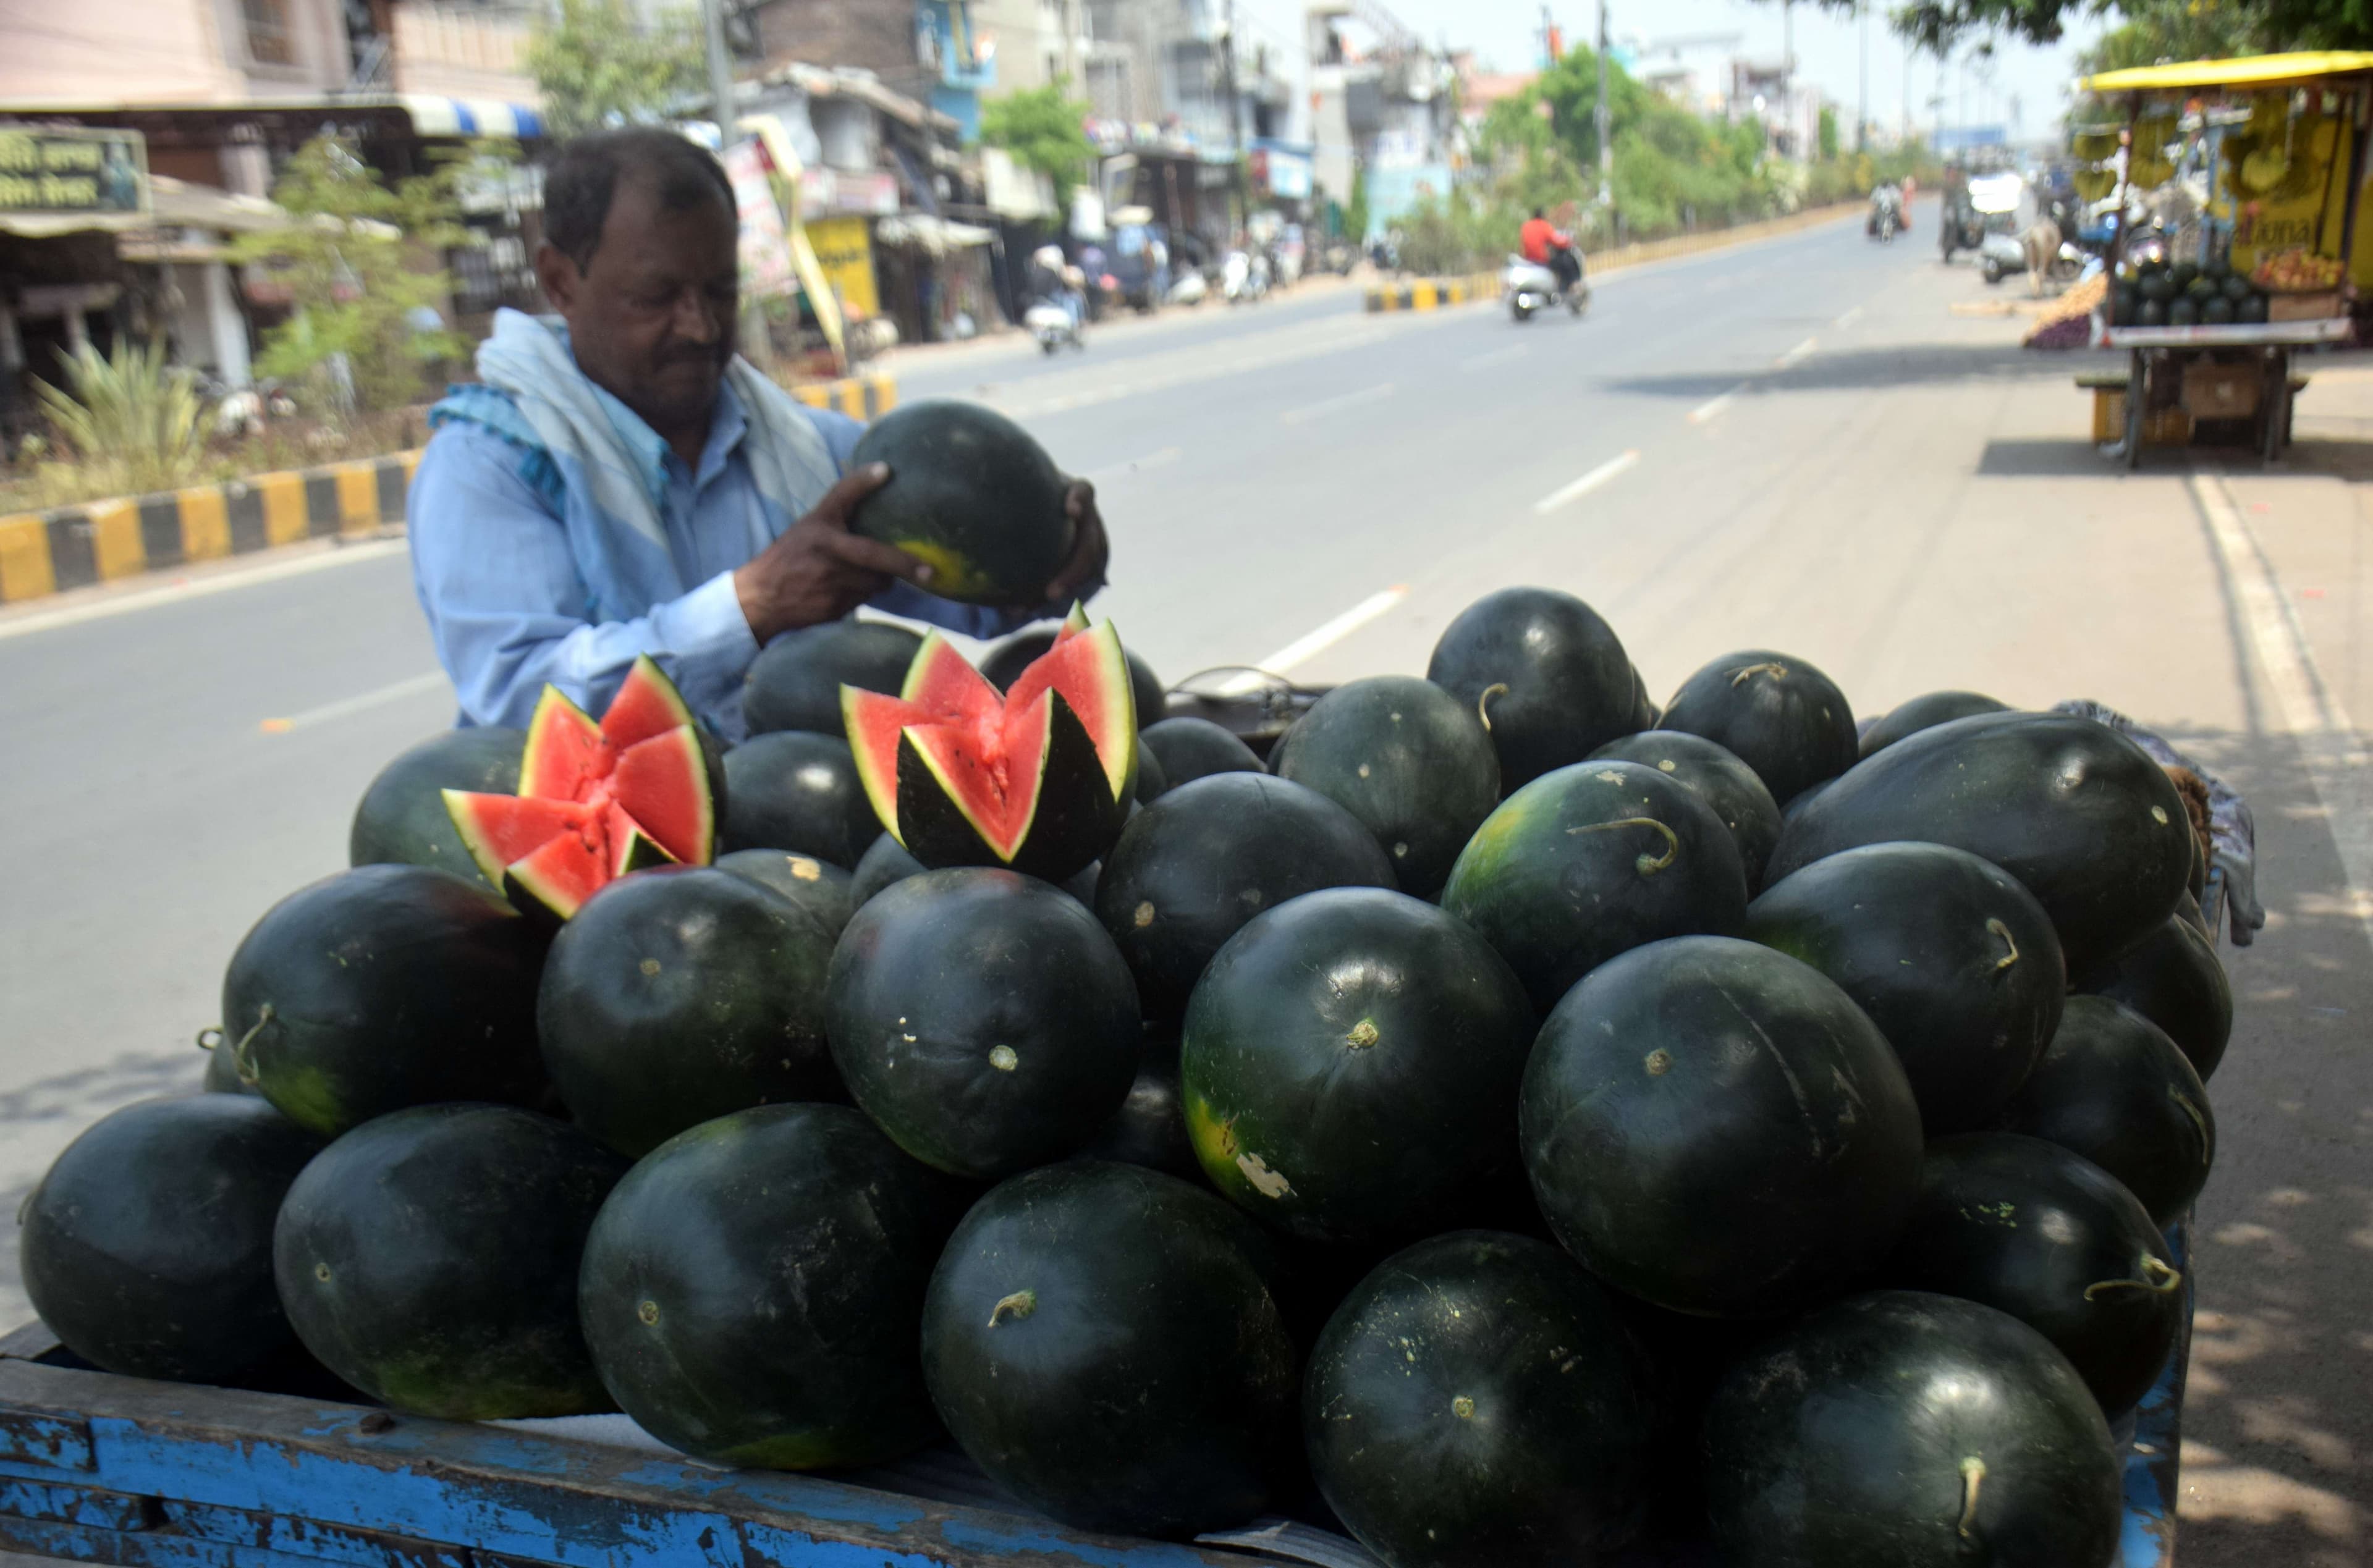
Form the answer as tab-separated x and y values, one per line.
1883	225
1054	325
1243	278
1528	286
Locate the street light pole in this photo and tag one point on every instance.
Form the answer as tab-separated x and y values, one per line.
1605	148
720	72
1862	97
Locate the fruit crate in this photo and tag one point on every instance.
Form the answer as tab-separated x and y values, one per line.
96	1468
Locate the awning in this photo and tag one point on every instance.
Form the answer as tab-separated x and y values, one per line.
173	204
471	117
2249	71
924	232
426	114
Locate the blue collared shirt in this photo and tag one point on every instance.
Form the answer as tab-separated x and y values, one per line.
510	613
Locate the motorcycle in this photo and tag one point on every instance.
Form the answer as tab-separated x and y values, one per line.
1054	325
1243	278
1528	286
1961	228
1883	225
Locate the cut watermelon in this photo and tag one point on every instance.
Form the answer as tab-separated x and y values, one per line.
1037	778
595	800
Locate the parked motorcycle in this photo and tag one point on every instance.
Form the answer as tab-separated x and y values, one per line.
1244	278
1528	286
1191	289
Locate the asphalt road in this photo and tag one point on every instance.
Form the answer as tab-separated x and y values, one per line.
1792	445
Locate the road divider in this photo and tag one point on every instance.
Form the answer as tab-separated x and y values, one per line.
1433	293
1586	483
1304	648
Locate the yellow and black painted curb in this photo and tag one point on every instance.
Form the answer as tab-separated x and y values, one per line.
99	542
859	396
72	547
1433	293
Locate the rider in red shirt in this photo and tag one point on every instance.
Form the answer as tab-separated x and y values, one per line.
1546	245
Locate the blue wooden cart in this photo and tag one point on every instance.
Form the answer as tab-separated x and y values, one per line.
102	1468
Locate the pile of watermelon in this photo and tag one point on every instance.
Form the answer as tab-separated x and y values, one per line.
1505	1120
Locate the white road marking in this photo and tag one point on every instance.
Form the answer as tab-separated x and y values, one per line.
1336	405
1713	406
1497	357
1161	460
1797	353
1315	643
363	703
2328	741
213	582
1586	483
1849	318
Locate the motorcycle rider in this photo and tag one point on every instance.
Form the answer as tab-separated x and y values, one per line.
1886	201
1545	245
1050	280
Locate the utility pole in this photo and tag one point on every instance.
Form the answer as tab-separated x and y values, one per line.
1862	97
1788	77
1606	145
720	73
1235	110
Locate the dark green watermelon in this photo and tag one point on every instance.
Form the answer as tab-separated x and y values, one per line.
983	1019
1189	748
1407	759
815	886
1105	1342
681	994
1586	862
753	1291
886	862
1150	1128
1152	784
1645	712
1782	718
402	819
1476	1402
2077	811
1716	776
1543	672
1716	1128
2173	979
2114	1088
972	495
1954	962
1925	712
1003	665
148	1246
1350	1066
382	987
1906	1429
797	791
2055	1242
429	1258
796	682
1193	868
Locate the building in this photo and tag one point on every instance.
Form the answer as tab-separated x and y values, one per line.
1387	109
1789	110
932	52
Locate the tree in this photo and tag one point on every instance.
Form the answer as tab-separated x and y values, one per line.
1355	207
596	67
1829	135
2156	31
1043	129
2180	29
355	264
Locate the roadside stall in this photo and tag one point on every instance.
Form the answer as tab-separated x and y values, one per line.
2255	257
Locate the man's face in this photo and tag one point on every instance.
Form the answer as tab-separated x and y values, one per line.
651	317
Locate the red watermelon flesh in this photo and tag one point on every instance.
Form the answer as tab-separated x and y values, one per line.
1036	777
596	800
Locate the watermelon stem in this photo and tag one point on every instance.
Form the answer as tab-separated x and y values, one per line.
2159	1278
239	1057
1483	702
1648	865
2198	1121
1973	1476
1999	929
1775	669
1021	1304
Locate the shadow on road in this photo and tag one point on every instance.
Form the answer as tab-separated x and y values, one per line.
1908	365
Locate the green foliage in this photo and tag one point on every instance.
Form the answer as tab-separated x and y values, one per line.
2156	30
596	66
1355	208
131	419
1041	128
1829	135
2162	29
358	260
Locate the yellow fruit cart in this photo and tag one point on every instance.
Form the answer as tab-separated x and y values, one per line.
2296	201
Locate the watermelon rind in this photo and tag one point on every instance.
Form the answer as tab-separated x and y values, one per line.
874	724
1070	821
686	826
1106	708
563	750
486	820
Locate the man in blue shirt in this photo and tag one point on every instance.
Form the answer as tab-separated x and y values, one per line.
624	485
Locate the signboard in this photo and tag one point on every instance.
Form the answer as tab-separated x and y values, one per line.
874	191
765	246
844	248
73	171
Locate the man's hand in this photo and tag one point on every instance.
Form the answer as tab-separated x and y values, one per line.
818	571
1090	550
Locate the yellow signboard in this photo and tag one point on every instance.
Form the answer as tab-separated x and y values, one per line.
46	170
844	247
